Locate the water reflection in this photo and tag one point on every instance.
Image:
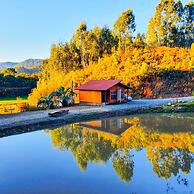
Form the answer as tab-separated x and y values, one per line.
168	141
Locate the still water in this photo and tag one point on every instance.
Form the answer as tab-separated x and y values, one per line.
144	154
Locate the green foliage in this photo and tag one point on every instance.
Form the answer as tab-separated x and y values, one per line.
124	28
172	24
16	85
180	107
63	97
9	71
188	24
170	161
123	165
13	98
45	102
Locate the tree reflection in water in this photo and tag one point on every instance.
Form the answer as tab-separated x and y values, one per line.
167	162
169	152
123	165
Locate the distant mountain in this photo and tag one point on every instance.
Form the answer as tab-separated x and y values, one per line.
29	63
28	70
28	66
4	65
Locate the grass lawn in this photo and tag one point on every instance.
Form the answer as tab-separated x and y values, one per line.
13	99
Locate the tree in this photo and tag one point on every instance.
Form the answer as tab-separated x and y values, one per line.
188	24
123	165
107	40
164	27
139	41
80	34
9	71
152	35
168	162
124	28
79	39
93	44
64	57
192	55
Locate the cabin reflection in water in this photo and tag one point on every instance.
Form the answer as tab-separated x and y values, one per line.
114	126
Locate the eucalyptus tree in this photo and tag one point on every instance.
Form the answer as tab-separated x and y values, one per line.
164	26
124	28
188	24
172	24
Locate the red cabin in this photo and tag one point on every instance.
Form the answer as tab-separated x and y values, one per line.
102	92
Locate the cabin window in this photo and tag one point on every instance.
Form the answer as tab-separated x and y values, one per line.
113	95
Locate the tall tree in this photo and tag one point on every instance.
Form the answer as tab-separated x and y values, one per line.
152	34
87	43
164	27
188	24
192	55
79	39
106	40
80	34
124	28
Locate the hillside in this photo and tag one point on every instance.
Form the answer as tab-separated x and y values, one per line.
29	63
28	66
150	72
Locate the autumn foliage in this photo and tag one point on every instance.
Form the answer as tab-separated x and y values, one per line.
138	60
132	66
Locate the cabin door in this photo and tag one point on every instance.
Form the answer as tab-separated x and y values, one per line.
103	96
119	95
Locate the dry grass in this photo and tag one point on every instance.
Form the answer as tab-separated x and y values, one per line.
11	106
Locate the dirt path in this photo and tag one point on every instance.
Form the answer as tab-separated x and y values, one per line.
40	119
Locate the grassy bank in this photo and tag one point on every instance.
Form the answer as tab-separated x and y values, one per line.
178	107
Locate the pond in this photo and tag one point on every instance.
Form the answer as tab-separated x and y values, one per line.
141	154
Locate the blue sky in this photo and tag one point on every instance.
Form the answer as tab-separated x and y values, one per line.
29	27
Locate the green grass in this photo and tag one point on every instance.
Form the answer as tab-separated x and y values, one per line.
179	107
175	108
13	98
187	104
